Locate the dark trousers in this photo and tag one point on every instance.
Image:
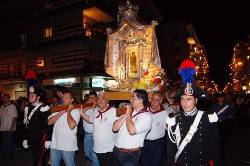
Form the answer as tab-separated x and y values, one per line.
127	158
153	152
40	157
106	159
8	147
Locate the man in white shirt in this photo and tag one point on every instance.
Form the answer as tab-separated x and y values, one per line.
132	129
154	148
104	138
64	139
8	116
88	128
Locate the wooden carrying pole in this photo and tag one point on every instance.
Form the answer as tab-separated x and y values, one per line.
65	107
119	111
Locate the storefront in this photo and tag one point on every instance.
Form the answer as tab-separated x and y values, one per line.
79	86
15	89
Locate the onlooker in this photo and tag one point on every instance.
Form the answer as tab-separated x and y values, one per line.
8	116
59	93
88	128
171	104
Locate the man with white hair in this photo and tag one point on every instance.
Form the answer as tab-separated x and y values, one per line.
154	145
104	138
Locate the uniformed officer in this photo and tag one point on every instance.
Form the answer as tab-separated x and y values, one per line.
37	132
192	134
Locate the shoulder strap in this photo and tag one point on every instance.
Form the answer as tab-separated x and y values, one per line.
223	109
190	134
33	111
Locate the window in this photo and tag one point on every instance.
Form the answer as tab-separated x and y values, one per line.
48	32
87	22
40	62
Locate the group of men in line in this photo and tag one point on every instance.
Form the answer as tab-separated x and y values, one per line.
133	138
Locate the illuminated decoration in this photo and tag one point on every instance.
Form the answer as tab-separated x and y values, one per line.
111	84
190	40
132	55
198	55
240	68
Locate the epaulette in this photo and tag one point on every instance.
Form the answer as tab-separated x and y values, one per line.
171	118
26	109
213	117
44	108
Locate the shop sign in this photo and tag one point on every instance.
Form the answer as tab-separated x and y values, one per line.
98	82
66	82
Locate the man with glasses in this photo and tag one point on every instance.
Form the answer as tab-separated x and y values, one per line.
132	129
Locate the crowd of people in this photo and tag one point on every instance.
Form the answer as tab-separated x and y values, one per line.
174	128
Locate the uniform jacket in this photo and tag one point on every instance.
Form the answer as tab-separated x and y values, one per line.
37	126
203	147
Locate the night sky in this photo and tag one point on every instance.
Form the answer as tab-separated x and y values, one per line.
218	26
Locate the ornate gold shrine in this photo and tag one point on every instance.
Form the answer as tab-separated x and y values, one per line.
131	50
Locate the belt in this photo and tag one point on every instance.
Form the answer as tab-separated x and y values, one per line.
159	139
88	133
129	150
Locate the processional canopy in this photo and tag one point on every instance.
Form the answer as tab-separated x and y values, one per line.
132	55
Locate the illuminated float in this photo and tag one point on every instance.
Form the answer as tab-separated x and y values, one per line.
132	55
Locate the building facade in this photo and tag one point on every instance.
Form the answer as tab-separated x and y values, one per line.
240	68
65	41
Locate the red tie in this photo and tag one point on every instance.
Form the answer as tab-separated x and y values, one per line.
100	113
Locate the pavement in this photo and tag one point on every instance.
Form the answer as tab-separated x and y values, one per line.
24	158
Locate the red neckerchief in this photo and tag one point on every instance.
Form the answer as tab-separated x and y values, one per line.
100	113
161	109
141	111
6	105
